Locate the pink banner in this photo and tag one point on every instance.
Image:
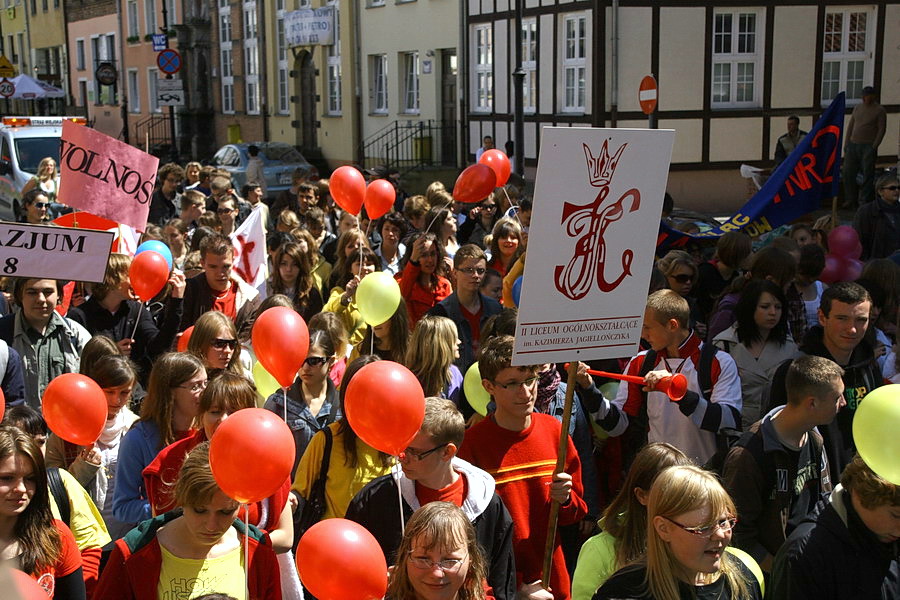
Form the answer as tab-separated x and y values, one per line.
104	176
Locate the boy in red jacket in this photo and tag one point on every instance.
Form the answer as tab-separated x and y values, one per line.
518	448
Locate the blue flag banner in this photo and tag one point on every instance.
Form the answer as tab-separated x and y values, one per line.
807	176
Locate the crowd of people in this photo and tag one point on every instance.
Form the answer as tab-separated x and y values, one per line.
748	485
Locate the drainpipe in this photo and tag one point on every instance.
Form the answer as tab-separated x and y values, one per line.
263	70
614	70
357	84
122	73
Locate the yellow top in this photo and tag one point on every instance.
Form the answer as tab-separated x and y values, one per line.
349	316
187	578
86	522
343	483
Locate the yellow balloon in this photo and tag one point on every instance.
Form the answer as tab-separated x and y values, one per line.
266	385
477	396
875	427
377	297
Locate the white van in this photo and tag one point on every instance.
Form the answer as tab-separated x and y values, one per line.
24	142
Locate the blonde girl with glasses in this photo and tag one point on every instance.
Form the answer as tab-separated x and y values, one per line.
167	414
439	557
690	518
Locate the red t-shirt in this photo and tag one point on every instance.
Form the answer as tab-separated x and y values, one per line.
226	301
474	320
68	561
454	493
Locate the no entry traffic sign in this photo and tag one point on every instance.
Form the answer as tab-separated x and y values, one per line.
647	94
169	61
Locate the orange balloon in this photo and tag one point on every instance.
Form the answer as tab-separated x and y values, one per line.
281	343
148	273
251	454
348	188
339	559
385	406
474	184
184	338
380	197
75	408
499	164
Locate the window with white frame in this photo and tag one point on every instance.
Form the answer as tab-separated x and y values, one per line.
483	37
304	4
846	58
251	58
226	57
134	91
410	63
574	63
79	54
153	90
134	29
150	16
737	58
282	67
250	26
333	66
529	64
172	16
224	27
379	73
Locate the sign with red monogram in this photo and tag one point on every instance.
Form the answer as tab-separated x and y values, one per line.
597	203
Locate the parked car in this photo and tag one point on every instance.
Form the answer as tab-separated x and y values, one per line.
280	162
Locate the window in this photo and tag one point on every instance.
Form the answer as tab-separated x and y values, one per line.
45	6
484	67
333	66
737	59
228	98
134	92
227	64
283	94
251	59
153	90
172	16
529	64
376	3
304	4
150	15
410	62
574	64
378	69
224	27
250	28
133	27
848	42
79	54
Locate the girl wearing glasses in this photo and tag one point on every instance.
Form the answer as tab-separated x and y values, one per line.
35	208
877	222
432	350
480	223
312	400
681	274
439	557
689	522
215	342
167	414
423	282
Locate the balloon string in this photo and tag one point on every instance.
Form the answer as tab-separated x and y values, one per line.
284	396
247	549
400	500
138	320
511	205
372	346
436	215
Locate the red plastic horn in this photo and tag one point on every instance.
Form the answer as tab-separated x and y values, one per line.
674	386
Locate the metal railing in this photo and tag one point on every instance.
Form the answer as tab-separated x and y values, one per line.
153	132
408	145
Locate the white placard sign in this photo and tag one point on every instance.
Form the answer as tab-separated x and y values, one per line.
47	252
309	26
597	203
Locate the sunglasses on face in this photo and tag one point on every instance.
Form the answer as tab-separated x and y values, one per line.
220	344
224	211
41	205
315	361
893	188
683	278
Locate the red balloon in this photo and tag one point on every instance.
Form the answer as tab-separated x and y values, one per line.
832	270
474	184
851	269
348	188
251	454
339	559
281	342
75	408
842	240
149	272
499	164
385	406
380	197
2	405
28	588
856	252
184	338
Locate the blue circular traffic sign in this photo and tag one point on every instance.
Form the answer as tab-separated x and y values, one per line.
169	61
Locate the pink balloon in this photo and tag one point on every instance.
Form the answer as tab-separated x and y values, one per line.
842	240
851	269
833	269
856	253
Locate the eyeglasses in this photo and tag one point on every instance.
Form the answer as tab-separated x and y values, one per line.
446	565
473	271
225	211
315	361
488	206
41	205
683	278
706	531
893	188
420	455
514	385
197	386
220	344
